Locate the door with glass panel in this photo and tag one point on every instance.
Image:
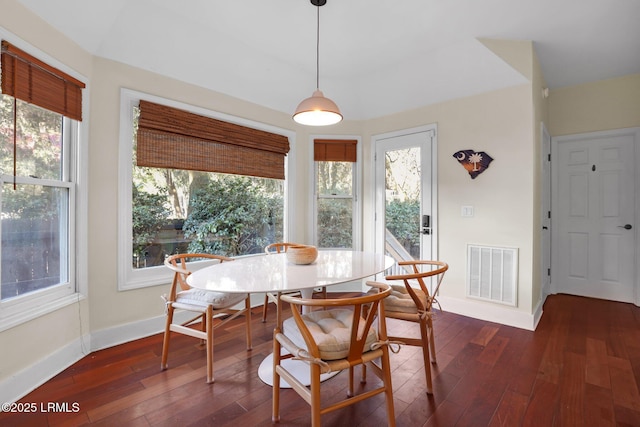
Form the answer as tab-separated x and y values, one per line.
405	178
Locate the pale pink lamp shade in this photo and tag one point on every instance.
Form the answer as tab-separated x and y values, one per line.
317	111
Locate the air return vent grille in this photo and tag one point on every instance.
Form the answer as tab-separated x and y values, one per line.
492	274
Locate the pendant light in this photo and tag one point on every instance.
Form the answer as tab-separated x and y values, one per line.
317	110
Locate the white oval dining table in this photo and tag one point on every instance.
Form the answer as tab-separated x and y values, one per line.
274	273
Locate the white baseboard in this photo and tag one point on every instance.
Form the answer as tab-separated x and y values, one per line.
489	312
21	383
27	380
121	334
537	314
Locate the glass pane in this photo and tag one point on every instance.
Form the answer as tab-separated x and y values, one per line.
178	211
402	214
34	238
335	178
38	150
335	223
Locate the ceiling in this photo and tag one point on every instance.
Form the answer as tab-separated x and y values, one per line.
376	57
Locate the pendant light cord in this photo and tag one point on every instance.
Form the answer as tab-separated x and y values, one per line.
318	49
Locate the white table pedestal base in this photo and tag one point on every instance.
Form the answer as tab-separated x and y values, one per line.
298	368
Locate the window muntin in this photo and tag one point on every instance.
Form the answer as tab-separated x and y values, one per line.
35	203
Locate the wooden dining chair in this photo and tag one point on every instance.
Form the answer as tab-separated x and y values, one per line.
335	339
208	305
415	304
276	248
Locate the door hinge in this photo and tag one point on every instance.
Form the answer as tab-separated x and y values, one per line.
549	157
548	272
549	214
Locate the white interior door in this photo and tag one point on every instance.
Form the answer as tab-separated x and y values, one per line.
594	232
405	199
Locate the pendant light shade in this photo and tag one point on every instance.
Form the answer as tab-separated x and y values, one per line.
317	110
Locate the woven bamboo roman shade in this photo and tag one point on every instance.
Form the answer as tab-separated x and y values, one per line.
334	150
177	139
31	80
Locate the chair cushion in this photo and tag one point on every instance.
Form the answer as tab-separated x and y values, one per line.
203	298
330	330
400	301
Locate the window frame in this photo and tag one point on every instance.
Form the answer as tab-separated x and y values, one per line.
128	277
32	305
357	200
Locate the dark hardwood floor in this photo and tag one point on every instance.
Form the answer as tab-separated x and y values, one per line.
581	367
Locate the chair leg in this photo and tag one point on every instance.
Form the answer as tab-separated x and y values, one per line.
363	374
247	315
203	328
350	389
209	328
264	308
432	342
167	336
425	356
315	395
275	408
388	388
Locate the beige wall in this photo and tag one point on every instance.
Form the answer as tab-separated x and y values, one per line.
498	123
604	105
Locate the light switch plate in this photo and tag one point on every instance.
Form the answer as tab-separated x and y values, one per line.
467	211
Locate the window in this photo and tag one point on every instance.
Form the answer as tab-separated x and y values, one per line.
39	111
336	206
178	200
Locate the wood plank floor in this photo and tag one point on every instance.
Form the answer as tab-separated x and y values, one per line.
581	367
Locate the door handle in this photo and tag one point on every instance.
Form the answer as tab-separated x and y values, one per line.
426	224
626	226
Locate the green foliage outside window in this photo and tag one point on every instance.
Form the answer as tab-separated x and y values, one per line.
335	223
403	221
335	204
184	211
233	216
149	215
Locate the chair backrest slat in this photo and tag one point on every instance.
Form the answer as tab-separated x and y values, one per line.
178	264
438	268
